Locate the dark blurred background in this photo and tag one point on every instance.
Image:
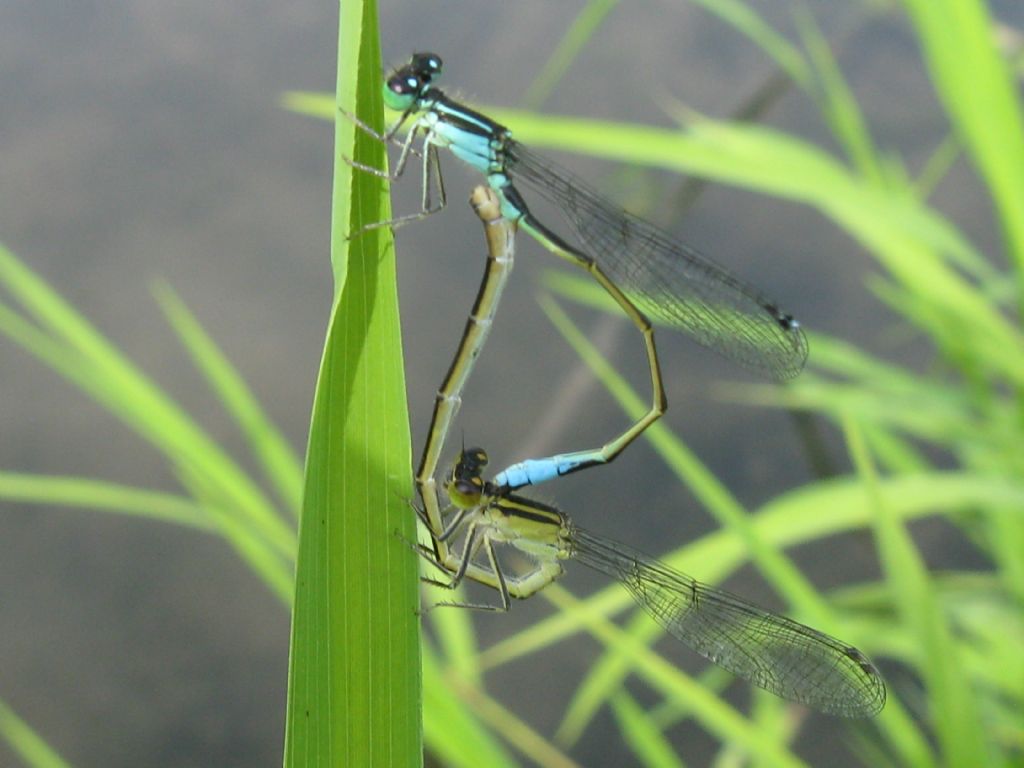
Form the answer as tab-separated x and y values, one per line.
142	141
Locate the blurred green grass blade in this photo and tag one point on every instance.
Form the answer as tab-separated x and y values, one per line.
840	358
583	27
897	226
955	342
903	233
229	501
909	238
716	715
937	413
26	743
775	716
499	720
791	519
889	397
840	108
646	742
935	417
745	20
262	556
670	713
752	156
938	166
455	634
451	731
978	90
993	632
698	696
895	453
354	683
876	389
63	339
267	443
958	727
787	580
1007	543
309	103
84	492
774	565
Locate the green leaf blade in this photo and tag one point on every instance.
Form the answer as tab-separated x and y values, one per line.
354	679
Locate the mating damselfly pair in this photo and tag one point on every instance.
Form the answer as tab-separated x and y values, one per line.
649	275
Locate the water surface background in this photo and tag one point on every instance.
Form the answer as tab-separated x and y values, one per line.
142	142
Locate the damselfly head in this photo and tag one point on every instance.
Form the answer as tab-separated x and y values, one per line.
426	65
409	82
464	484
471	461
402	89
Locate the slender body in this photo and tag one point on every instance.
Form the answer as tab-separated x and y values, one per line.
778	654
644	269
500	235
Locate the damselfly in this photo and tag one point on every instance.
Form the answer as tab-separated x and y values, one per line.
644	269
778	654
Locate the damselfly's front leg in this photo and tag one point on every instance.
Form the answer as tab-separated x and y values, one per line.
386	138
431	172
458	567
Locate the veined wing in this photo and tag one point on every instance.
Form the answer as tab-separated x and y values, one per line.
667	280
778	654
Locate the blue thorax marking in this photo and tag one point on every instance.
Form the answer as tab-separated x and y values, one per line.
476	140
471	137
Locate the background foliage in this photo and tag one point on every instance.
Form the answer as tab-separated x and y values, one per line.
942	443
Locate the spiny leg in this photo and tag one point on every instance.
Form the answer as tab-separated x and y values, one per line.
431	169
473	543
430	161
388	137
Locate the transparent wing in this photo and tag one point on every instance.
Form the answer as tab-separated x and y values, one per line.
775	653
666	279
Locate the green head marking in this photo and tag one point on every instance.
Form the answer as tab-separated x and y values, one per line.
402	89
408	83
